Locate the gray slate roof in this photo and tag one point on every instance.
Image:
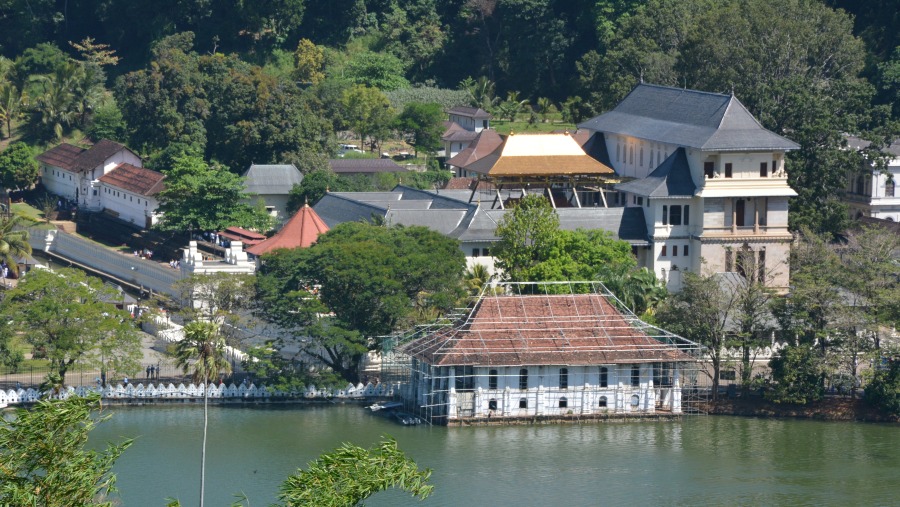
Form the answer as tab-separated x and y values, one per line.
703	120
595	147
858	144
471	112
464	221
272	179
671	179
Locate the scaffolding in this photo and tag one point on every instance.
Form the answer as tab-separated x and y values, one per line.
556	349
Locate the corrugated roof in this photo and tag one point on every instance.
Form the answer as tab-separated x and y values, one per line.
671	179
470	112
364	165
272	179
301	231
691	118
62	156
533	330
134	179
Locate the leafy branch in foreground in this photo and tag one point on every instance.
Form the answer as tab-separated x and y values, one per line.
350	474
43	460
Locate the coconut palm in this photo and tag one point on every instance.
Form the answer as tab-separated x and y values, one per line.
13	241
202	353
12	104
475	277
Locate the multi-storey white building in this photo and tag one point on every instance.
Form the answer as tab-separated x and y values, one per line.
709	178
465	123
72	172
872	193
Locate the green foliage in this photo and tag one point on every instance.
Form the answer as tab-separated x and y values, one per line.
367	112
883	389
65	314
309	62
107	123
383	71
348	475
18	168
44	460
423	124
526	234
797	373
202	197
444	97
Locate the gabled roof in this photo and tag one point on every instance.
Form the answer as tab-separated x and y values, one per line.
73	158
548	329
301	231
539	155
272	179
364	165
671	179
702	120
485	143
134	179
594	144
97	154
62	156
455	133
248	238
470	112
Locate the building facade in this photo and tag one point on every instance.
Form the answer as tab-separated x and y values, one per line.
872	193
709	177
464	124
72	172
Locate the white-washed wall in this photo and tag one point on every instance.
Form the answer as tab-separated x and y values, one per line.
137	392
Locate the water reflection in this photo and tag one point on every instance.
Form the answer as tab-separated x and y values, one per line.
700	461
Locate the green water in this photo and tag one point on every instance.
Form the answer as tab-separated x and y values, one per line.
698	461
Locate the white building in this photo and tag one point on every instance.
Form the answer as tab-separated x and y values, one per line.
273	184
709	178
872	193
129	193
465	123
72	172
552	352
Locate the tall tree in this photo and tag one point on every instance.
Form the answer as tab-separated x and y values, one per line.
18	168
202	353
526	234
45	459
65	315
368	112
423	124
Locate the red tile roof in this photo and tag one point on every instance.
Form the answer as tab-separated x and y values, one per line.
531	330
487	142
249	238
301	231
139	180
62	156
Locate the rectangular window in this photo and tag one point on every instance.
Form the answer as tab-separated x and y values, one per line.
523	378
709	169
674	215
687	214
763	169
486	252
665	215
492	379
761	267
640	201
523	402
774	167
563	378
635	376
686	251
618	153
475	252
728	374
641	156
604	377
674	250
889	189
728	170
663	253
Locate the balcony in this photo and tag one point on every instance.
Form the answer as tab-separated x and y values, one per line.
746	187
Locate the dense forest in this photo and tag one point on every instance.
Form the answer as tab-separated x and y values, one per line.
237	82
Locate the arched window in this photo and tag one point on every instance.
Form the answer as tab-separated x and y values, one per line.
604	377
523	402
563	378
889	188
635	376
492	404
492	379
635	401
860	184
602	403
523	378
563	402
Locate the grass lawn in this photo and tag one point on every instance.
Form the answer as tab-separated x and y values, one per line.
21	208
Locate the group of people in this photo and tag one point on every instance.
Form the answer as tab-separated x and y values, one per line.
174	264
144	254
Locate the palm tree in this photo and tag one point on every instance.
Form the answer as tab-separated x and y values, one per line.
11	106
475	277
13	241
202	352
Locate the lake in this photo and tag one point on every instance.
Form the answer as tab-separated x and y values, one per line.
701	460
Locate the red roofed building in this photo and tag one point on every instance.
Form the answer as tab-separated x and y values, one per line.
129	192
72	172
301	231
545	350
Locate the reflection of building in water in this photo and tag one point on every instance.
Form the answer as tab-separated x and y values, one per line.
557	350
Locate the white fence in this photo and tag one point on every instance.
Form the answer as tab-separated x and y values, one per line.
139	392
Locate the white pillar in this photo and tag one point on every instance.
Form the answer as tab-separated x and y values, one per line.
676	391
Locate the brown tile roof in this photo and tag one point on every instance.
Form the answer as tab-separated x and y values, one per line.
484	144
529	330
301	231
62	156
135	179
235	233
97	154
456	133
364	165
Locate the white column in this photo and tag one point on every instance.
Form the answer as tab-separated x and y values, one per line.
676	391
